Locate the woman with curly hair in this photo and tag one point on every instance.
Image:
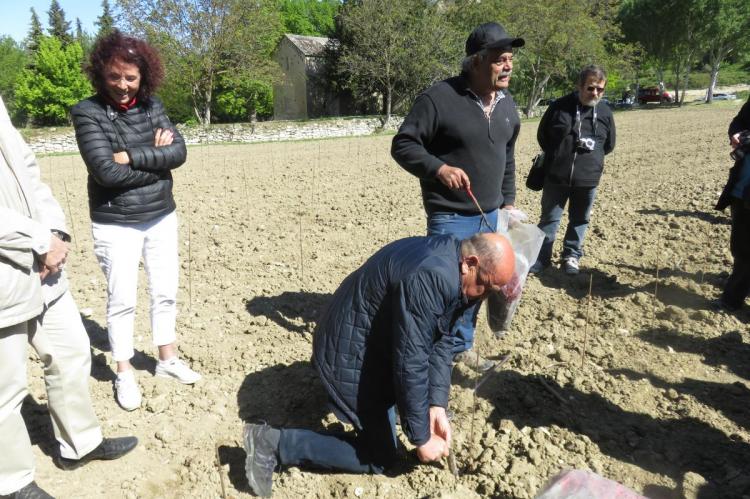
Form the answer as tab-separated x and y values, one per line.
130	147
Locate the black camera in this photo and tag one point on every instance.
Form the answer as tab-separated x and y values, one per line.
743	147
586	143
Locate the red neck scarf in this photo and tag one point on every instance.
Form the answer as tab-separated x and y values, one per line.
122	107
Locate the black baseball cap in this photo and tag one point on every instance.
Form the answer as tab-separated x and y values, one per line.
490	36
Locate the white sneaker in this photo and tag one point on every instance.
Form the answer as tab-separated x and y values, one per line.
127	392
177	368
570	265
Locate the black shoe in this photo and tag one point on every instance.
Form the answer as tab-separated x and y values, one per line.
262	447
109	449
31	491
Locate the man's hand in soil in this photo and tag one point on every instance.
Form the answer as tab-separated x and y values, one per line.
52	261
435	449
453	177
439	424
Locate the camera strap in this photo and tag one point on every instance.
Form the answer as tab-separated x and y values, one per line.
579	121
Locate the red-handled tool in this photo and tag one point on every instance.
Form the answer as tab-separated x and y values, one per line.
476	203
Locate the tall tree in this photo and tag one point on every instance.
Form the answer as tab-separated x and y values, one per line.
35	33
309	17
726	31
561	37
12	61
48	89
394	48
203	40
59	27
105	21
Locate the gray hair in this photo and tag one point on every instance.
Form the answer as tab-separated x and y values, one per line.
468	62
592	70
484	249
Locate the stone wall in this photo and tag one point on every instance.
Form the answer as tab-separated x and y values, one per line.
265	131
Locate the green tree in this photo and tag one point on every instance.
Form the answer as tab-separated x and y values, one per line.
12	61
201	40
561	37
243	100
105	21
35	33
58	26
47	90
309	17
393	48
726	29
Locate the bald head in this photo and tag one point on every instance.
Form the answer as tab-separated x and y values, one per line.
487	263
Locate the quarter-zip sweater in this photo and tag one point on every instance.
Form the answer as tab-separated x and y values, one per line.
448	126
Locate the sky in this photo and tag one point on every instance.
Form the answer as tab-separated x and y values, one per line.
15	15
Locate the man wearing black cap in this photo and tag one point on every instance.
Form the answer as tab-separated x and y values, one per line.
459	138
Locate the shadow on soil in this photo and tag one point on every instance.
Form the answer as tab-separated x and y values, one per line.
671	447
292	310
100	342
700	215
605	285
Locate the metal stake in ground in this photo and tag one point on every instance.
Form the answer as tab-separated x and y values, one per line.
656	282
70	215
586	327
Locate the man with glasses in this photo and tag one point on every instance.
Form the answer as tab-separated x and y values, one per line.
575	133
459	138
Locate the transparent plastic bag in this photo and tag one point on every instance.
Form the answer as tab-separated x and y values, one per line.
581	484
526	240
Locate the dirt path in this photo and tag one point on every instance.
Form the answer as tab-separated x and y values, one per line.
267	233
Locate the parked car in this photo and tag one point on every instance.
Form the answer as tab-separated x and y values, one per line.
721	96
652	94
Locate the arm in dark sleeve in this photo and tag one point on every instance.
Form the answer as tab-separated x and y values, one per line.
441	363
417	305
150	158
409	146
541	131
609	145
509	177
742	120
97	152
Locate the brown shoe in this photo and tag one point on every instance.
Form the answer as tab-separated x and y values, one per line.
473	360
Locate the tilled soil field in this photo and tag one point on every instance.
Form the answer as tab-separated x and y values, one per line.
660	402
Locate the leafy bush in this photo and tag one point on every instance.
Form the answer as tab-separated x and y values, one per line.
53	83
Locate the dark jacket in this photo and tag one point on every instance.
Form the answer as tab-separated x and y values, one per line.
384	337
447	126
134	193
557	136
739	123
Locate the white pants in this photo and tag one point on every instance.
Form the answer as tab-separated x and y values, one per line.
61	341
118	249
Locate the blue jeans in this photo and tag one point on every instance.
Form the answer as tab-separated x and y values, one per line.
554	198
371	450
462	226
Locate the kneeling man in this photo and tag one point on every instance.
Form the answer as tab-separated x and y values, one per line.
384	342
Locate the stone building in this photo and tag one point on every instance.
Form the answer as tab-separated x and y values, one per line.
302	93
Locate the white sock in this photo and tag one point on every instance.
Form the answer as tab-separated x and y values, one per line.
123	375
167	361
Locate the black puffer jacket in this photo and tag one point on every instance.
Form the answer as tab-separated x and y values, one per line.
384	338
134	193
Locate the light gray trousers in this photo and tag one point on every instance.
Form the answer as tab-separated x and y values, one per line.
61	341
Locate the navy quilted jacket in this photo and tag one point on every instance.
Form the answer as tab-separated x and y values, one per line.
384	338
127	194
